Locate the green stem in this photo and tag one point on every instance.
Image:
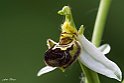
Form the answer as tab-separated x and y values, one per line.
123	81
100	21
91	76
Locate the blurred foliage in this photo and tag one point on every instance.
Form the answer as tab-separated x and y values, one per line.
25	25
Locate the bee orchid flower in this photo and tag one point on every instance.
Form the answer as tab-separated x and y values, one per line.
73	46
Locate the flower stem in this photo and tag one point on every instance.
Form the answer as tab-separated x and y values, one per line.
123	81
100	21
91	76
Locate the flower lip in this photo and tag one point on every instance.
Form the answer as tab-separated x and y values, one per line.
62	55
57	57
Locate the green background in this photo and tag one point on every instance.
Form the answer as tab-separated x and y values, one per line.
26	25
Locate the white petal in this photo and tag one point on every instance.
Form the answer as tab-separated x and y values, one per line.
45	70
105	49
95	60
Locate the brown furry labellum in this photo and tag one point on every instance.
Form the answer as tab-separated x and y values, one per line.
62	55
